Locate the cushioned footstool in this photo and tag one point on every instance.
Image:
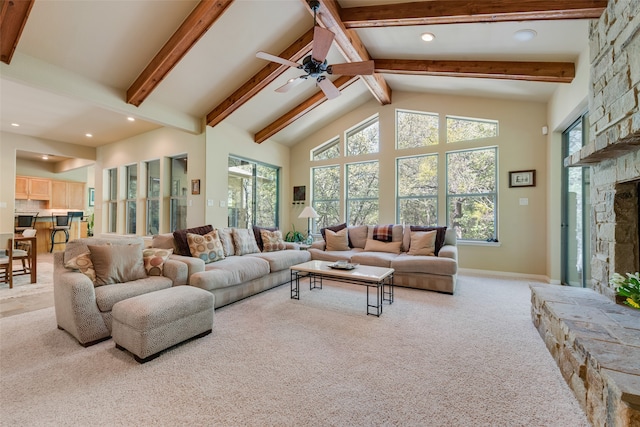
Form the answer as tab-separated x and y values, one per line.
147	324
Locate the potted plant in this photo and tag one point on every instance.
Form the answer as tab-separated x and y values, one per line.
628	288
293	235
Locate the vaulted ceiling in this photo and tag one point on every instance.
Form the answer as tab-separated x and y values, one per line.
76	67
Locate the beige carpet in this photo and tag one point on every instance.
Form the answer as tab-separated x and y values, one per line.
473	359
22	285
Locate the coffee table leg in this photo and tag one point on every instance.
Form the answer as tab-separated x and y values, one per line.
295	285
379	296
315	282
388	294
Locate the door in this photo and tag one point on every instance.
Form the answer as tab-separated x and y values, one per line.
576	208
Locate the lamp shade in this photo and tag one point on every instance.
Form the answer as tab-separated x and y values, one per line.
308	212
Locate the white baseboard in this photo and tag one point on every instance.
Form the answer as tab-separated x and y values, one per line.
477	272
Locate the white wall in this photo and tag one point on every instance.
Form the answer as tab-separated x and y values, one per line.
521	146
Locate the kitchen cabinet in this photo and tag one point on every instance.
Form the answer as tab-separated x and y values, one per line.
28	188
67	195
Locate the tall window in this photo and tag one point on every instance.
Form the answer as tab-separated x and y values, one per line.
326	195
472	193
329	150
178	199
112	204
417	191
414	129
364	138
153	197
467	129
253	194
362	193
132	195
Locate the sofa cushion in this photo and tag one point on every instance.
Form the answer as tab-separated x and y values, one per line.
378	246
237	269
180	236
423	243
376	259
358	235
337	240
83	264
117	264
333	256
272	241
440	235
244	241
257	234
107	296
404	263
226	238
154	259
334	228
208	247
282	260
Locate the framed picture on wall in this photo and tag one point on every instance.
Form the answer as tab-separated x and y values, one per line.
92	196
195	186
522	178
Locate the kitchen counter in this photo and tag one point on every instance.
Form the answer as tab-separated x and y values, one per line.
43	225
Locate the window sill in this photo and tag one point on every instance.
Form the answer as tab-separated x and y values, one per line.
477	243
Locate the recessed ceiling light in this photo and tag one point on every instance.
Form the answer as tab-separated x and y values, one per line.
45	157
131	119
427	37
524	35
88	135
15	125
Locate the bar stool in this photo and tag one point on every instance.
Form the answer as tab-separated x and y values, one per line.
25	222
60	223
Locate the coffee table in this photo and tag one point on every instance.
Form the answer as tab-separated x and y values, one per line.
380	278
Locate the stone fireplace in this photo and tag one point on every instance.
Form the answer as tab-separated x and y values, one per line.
613	151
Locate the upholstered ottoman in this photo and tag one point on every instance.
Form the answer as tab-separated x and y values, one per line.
147	324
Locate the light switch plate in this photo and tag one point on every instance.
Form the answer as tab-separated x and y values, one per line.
223	204
209	202
524	201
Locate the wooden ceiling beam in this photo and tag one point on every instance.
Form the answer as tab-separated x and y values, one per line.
259	81
556	72
13	17
285	120
464	12
351	47
191	30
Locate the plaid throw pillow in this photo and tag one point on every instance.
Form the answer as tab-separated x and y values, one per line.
383	233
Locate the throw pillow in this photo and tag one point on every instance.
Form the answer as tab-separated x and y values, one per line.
154	259
358	236
117	263
244	241
180	236
423	243
208	247
226	238
332	228
337	240
272	241
378	246
82	263
441	232
257	233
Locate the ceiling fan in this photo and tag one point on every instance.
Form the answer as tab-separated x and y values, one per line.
315	65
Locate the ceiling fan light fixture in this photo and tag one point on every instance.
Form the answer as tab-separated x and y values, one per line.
427	37
525	35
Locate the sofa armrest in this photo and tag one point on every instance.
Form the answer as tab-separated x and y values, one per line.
291	245
75	304
449	251
319	244
177	271
194	265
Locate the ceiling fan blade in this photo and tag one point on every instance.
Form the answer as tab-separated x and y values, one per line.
330	90
322	39
273	58
363	68
290	84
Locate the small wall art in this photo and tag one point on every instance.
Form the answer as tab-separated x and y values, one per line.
522	178
195	186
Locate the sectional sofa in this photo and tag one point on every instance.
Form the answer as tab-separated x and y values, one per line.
436	272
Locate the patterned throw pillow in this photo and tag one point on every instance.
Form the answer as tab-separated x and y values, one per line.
208	247
154	259
423	243
82	263
244	241
272	241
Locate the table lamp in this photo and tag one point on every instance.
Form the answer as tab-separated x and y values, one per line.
308	212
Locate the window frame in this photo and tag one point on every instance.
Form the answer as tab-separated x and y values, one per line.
434	196
176	199
349	199
326	146
359	128
130	223
315	200
469	119
112	200
423	113
150	199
